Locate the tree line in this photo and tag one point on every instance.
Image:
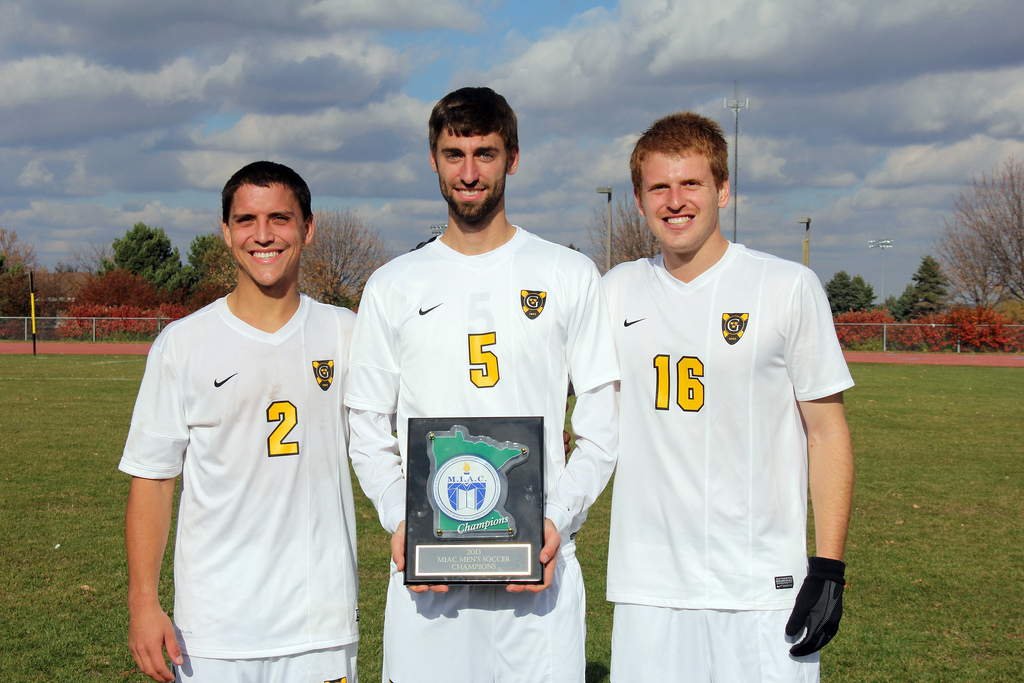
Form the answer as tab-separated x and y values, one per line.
142	271
980	261
927	293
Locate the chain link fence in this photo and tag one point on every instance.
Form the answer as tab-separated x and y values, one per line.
931	338
82	329
911	337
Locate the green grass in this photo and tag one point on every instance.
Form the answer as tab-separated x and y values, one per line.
936	565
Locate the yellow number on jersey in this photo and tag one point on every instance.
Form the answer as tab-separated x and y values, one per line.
486	375
689	390
661	388
285	414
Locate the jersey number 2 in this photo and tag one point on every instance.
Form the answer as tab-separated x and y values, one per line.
286	416
689	388
484	374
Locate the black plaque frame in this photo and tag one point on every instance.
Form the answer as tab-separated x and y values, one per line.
485	556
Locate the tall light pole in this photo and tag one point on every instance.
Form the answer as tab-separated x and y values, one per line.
735	105
883	245
807	240
608	241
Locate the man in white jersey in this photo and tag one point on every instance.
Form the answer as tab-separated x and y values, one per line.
731	402
243	398
445	331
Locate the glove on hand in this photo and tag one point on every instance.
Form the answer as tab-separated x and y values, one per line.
819	605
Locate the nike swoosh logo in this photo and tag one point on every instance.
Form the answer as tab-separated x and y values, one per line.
422	312
219	384
627	323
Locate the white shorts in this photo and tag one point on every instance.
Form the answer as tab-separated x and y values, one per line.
667	644
333	665
485	634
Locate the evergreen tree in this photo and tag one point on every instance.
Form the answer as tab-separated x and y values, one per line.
147	252
848	294
930	286
866	293
903	308
213	268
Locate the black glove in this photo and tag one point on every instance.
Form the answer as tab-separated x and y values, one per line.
819	605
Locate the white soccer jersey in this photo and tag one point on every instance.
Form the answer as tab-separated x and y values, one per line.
265	556
442	334
710	500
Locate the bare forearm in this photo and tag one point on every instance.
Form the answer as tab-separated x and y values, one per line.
830	473
147	524
832	498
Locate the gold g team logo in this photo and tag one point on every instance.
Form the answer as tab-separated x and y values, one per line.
533	302
323	371
733	326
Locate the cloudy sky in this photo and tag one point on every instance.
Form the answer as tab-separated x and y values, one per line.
865	115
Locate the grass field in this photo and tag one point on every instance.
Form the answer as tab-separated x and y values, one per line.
936	552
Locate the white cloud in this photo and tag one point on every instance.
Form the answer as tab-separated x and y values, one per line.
865	114
47	79
35	174
321	131
395	13
943	163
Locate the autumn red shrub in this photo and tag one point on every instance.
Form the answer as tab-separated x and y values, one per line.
206	292
13	329
979	329
961	328
927	333
124	322
862	330
118	288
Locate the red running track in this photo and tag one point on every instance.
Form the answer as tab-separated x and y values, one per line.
979	359
991	360
44	348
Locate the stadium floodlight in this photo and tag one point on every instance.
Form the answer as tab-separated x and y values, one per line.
438	228
608	240
807	240
882	244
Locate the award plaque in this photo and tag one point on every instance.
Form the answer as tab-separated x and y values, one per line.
474	510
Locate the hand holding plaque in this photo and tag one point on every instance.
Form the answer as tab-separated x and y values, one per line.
474	500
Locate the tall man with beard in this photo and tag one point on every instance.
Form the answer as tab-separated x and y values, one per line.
442	332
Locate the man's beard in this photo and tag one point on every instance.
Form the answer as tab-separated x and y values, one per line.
473	213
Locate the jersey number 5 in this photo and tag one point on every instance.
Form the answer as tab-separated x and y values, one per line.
484	372
286	416
689	388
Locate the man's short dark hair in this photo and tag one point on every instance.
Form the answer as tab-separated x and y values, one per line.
265	174
679	135
474	111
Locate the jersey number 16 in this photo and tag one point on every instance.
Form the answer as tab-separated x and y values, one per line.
689	388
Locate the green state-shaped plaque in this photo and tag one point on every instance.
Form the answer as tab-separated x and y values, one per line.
474	500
